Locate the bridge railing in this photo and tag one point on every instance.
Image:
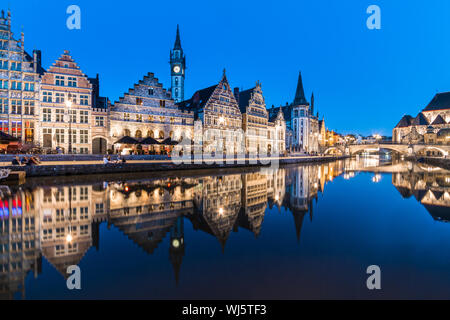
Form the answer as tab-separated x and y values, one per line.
397	143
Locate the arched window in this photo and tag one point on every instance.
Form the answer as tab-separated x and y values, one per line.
171	134
161	135
138	134
150	134
126	132
176	81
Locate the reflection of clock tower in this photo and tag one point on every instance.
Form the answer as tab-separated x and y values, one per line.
176	250
177	68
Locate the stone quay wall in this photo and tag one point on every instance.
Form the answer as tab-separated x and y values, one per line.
113	168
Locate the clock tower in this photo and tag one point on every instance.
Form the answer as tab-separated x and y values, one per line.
177	69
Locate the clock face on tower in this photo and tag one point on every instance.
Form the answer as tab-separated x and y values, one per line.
176	69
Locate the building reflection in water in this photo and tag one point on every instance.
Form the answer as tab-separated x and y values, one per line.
429	186
61	222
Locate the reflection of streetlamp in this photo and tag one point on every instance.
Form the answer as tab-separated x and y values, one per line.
376	178
69	237
69	105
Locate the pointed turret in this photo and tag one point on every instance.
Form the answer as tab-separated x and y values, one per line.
312	103
300	93
177	45
280	115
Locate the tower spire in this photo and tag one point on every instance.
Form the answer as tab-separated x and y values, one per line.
300	93
312	103
178	67
177	45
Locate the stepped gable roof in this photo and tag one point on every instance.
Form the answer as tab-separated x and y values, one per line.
441	101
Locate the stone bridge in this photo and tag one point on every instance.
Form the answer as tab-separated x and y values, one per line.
442	151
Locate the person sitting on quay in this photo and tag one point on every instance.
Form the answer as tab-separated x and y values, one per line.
105	160
35	160
16	161
32	161
121	159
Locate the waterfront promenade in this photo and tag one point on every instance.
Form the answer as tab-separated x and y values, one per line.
59	166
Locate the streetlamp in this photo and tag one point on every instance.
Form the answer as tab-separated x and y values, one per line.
69	105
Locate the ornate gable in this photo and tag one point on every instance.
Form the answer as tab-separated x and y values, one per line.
147	92
66	65
252	102
222	96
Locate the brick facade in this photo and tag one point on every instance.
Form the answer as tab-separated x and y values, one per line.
65	109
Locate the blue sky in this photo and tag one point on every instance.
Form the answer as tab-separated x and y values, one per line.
363	80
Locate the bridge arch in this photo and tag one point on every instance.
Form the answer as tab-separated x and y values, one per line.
354	149
333	151
431	151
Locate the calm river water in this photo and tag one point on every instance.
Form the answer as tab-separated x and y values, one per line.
306	231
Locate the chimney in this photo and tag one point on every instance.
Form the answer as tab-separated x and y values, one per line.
36	59
236	94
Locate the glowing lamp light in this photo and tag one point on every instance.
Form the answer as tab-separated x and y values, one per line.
127	188
221	211
376	178
221	120
175	243
68	103
69	238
